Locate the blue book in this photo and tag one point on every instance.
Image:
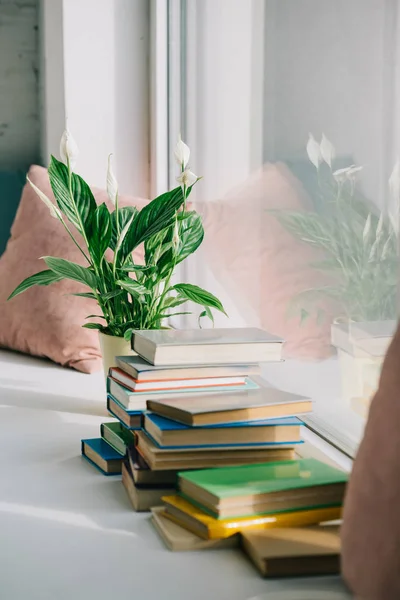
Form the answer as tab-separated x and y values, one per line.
138	400
102	456
131	419
166	433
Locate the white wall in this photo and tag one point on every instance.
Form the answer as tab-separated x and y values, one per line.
19	103
330	67
95	73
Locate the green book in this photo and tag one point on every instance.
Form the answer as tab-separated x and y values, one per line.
259	489
118	436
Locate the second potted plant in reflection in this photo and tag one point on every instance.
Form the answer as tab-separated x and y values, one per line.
358	243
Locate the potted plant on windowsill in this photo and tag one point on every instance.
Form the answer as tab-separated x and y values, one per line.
359	247
130	296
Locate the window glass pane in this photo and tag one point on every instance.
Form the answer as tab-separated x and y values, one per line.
291	112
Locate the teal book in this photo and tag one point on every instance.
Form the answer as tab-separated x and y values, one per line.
118	436
102	456
263	434
259	489
138	400
132	419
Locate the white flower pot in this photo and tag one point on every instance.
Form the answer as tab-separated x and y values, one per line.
112	346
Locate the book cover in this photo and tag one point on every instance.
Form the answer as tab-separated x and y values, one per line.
101	455
293	551
231	482
137	400
207	346
188	515
141	370
201	337
180	539
132	420
232	446
165	424
266	402
136	386
117	435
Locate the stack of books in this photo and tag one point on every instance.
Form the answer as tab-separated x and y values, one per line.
253	501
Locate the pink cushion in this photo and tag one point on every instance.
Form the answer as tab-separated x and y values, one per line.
261	264
47	321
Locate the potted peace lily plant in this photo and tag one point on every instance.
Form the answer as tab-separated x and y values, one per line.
130	296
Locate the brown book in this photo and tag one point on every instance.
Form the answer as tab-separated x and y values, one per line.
213	409
179	539
143	475
183	459
290	552
142	498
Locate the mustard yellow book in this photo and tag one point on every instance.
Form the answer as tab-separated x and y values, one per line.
182	512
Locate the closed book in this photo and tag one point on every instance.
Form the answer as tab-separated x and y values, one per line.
179	539
142	498
137	400
235	407
196	520
293	552
142	371
167	433
133	385
184	458
118	436
170	347
143	475
130	419
264	488
102	456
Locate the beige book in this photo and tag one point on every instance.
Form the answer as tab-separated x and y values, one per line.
290	552
163	459
142	499
179	539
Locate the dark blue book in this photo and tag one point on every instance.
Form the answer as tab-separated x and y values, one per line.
264	433
102	456
131	419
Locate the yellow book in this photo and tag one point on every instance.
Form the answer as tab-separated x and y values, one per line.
180	511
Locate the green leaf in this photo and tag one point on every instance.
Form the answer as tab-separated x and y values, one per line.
70	270
173	301
154	217
95	317
93	326
41	278
134	268
85	295
199	295
133	287
111	294
100	233
128	335
78	207
206	313
124	215
191	234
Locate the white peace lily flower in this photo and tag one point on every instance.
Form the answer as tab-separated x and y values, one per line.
327	150
112	184
379	227
182	153
187	178
175	237
314	151
54	211
68	149
347	173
